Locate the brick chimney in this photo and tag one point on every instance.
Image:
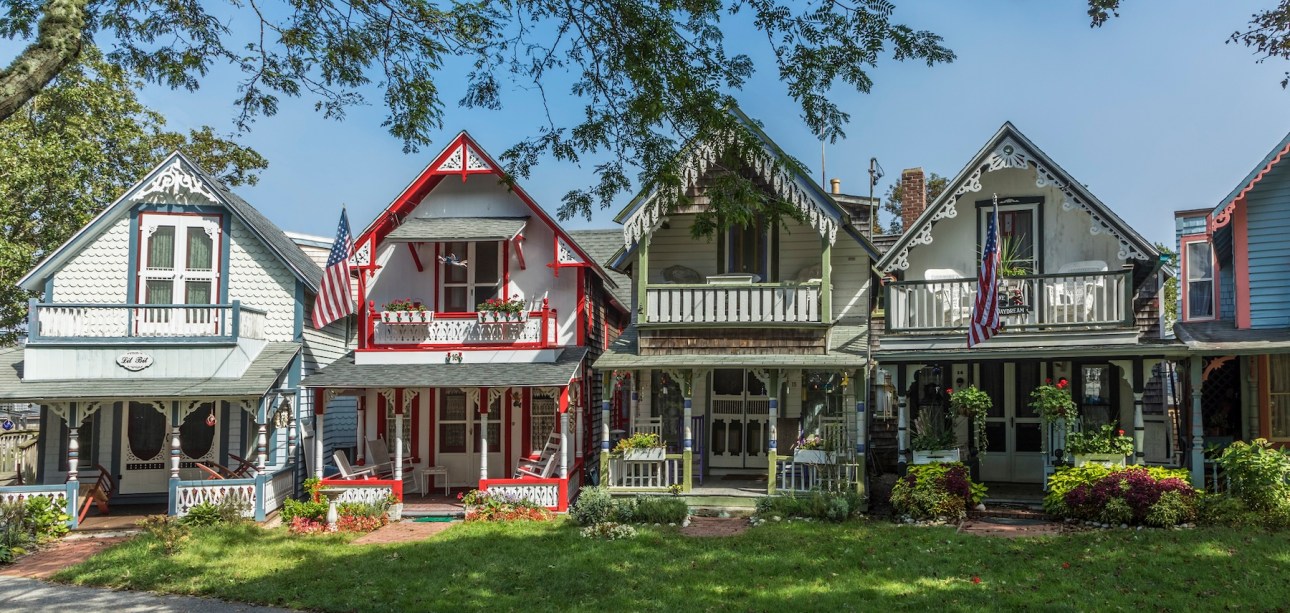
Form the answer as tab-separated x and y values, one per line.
913	196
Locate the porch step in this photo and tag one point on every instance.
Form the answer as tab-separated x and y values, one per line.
1010	511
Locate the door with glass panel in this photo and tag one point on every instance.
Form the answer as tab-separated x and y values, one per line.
1014	431
739	421
180	266
145	441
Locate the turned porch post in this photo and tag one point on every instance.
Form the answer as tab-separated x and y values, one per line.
1197	426
607	392
261	440
319	449
362	428
1139	425
634	409
398	436
175	450
772	451
861	396
687	426
483	433
902	434
564	433
73	443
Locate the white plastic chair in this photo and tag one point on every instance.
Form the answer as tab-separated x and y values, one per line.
952	300
1075	300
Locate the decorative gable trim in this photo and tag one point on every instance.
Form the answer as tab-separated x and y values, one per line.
463	159
1013	150
1223	213
174	184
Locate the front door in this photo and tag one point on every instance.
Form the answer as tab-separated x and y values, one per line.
1014	432
145	441
739	422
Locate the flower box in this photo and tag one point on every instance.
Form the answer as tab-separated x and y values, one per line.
647	454
499	317
1105	459
814	456
407	317
936	455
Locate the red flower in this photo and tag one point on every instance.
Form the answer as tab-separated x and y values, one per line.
1121	432
949	390
459	495
1066	564
976	579
1048	381
1062	383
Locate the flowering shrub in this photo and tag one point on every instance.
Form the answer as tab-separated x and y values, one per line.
1053	401
936	491
811	442
1103	440
609	531
497	305
488	506
1122	495
973	403
304	525
404	304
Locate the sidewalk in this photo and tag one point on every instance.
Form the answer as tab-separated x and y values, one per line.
20	594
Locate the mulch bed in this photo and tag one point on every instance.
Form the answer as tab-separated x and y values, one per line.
54	557
402	532
715	526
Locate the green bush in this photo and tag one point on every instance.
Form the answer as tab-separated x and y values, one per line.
1116	511
15	537
374	510
1259	475
1172	509
46	519
658	510
625	509
829	506
940	490
226	511
594	506
313	511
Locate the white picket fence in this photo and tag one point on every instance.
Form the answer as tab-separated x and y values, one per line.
800	477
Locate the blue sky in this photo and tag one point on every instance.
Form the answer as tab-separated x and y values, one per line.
1153	112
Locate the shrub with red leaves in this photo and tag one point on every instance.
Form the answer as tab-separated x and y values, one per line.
1135	487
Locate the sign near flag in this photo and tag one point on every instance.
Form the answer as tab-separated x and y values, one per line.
335	299
985	313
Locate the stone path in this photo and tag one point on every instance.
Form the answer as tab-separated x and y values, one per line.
69	551
715	526
22	594
402	532
1009	528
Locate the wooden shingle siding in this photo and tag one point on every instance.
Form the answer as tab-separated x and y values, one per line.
721	341
259	279
100	272
1268	222
1226	295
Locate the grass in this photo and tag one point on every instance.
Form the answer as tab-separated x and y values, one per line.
776	567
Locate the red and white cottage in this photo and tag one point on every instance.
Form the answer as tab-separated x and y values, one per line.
479	317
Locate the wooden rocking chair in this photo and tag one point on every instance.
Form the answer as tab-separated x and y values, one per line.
544	466
98	493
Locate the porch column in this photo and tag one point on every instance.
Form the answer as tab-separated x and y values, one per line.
902	434
483	433
564	433
291	432
319	448
862	425
826	282
73	443
1197	427
640	273
398	436
634	409
772	451
687	453
1139	426
174	441
607	388
578	447
362	428
262	438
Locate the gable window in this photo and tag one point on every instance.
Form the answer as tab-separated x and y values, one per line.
1019	233
750	250
1198	274
180	263
480	279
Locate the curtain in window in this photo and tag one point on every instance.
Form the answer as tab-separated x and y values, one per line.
159	292
197	292
161	248
1200	299
200	249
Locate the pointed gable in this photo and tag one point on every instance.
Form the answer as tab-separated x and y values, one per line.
1009	148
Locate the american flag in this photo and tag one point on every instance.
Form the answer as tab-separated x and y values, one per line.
334	298
985	314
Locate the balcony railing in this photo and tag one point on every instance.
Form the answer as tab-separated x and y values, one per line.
719	303
74	323
535	330
1053	302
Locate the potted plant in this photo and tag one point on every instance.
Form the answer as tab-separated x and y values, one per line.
1106	446
974	405
811	450
934	437
641	447
497	310
405	311
1053	403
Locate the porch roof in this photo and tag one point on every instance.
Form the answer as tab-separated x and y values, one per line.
344	373
260	377
846	350
1169	349
1223	337
439	229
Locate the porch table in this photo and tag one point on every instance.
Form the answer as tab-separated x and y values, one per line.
423	478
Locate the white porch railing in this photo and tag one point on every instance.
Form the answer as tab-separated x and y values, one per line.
457	329
799	477
278	487
721	303
1051	302
648	474
63	495
18	456
188	494
59	322
542	493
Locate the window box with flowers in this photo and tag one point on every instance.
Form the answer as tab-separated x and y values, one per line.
1106	446
935	436
499	311
811	450
641	447
406	311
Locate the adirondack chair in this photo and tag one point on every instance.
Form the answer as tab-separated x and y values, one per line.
544	465
383	464
98	493
346	471
214	471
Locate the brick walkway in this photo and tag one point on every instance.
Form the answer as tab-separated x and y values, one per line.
402	532
715	526
46	562
1010	529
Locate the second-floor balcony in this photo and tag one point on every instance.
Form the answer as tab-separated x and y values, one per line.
725	301
1048	303
436	330
79	323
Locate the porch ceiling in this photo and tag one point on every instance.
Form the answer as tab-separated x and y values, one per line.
1223	337
343	373
439	229
259	378
846	350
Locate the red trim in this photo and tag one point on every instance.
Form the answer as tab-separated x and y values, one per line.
1224	217
320	405
438	274
506	269
583	320
433	416
397	486
416	259
416	429
1183	241
1241	263
519	249
508	431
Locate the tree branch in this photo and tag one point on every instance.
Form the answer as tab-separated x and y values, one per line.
58	43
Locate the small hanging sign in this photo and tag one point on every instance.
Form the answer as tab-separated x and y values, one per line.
134	361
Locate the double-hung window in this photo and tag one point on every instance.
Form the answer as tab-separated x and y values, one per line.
464	287
1198	269
178	264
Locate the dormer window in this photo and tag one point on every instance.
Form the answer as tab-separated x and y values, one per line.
180	262
480	279
1198	274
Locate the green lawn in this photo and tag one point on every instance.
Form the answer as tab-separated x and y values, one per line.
776	567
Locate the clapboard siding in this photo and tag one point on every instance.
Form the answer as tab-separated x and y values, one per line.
1268	223
673	246
850	276
1185	226
100	272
